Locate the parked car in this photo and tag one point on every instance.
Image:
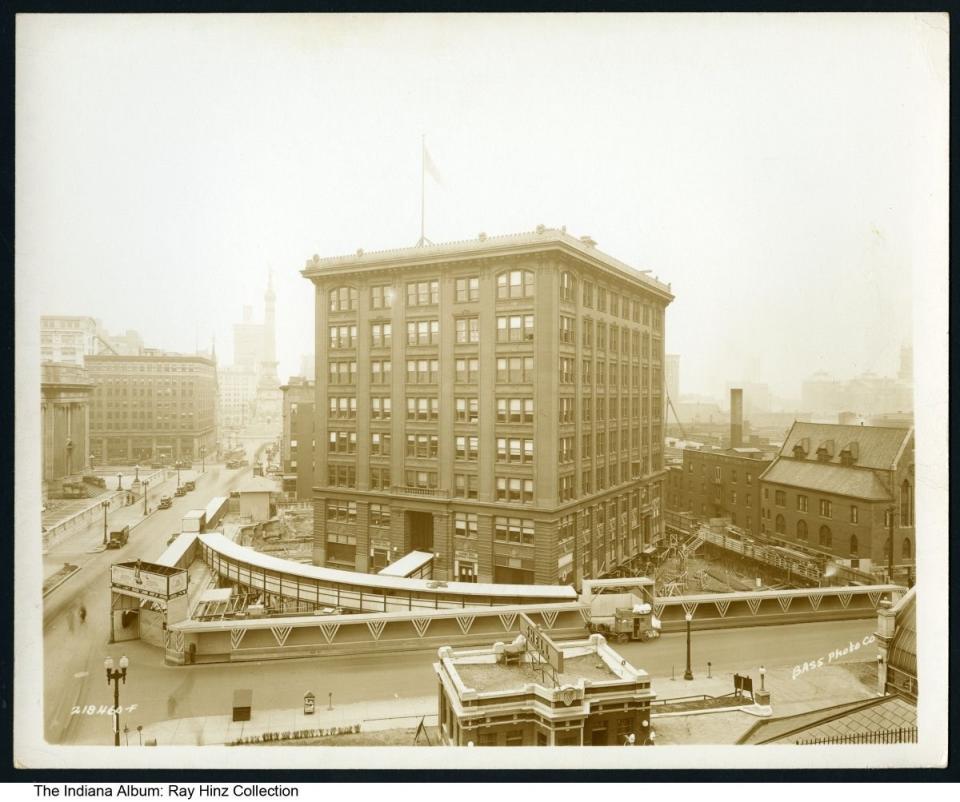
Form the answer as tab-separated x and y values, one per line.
166	502
233	464
118	538
180	491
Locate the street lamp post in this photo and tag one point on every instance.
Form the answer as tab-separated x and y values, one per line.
203	459
146	487
136	469
115	677
119	481
688	674
106	506
763	673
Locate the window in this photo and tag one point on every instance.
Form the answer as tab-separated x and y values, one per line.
379	444
515	284
601	299
467	447
514	490
379	478
780	526
422	408
467	370
422	446
380	335
380	408
601	335
465	524
343	407
854	545
586	376
426	480
750	482
514	410
514	328
467	409
567	330
565	487
422	371
380	371
513	738
587	333
854	514
568	287
467	289
826	536
423	332
379	515
906	504
564	449
423	293
587	410
567	374
801	530
826	509
465	485
342	443
586	446
801	502
906	549
515	369
779	498
515	449
586	483
343	336
341	475
588	294
344	512
342	372
343	299
468	330
614	304
513	530
381	297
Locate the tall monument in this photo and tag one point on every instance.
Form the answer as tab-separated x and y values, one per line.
269	405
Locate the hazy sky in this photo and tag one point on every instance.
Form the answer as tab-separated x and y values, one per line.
775	169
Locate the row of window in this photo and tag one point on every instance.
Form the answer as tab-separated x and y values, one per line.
510	284
825	538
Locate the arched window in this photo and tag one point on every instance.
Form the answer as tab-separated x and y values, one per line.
906	503
516	284
906	550
801	530
568	287
826	536
854	546
780	526
343	299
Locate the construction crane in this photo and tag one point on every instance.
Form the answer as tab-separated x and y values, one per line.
675	415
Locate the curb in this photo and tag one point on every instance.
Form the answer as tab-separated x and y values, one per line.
52	588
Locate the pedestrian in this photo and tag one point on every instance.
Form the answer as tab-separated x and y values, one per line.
83	614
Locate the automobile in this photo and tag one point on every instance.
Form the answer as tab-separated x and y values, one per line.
118	538
244	463
180	491
157	465
184	465
166	502
190	485
233	464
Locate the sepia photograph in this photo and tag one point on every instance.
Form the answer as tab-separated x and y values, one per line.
391	384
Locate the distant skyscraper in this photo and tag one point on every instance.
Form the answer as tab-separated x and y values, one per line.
269	403
906	364
308	366
248	341
671	375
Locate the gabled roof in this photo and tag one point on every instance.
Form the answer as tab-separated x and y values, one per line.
259	484
877	446
827	478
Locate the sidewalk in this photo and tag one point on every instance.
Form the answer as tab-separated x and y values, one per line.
218	730
76	547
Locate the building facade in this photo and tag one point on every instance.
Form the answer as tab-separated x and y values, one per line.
65	391
152	407
297	442
837	490
485	698
67	339
720	483
499	402
237	392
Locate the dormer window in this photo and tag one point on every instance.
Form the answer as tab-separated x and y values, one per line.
825	451
801	448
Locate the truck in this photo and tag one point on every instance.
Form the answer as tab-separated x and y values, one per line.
118	538
166	502
621	608
623	617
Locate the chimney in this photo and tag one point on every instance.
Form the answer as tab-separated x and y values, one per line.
736	417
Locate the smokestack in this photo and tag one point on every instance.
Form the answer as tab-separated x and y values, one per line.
736	418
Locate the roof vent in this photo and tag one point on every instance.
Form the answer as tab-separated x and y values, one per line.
359	251
482	236
316	258
541	228
587	240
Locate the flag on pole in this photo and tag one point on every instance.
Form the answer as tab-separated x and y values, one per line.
430	167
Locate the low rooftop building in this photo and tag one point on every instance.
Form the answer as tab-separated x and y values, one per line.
534	692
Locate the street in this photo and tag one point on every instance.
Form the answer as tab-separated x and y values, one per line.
73	650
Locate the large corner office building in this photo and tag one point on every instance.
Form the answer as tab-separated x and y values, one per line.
498	402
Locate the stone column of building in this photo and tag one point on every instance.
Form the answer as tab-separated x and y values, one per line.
320	412
362	346
487	402
485	569
546	363
443	546
363	536
445	387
